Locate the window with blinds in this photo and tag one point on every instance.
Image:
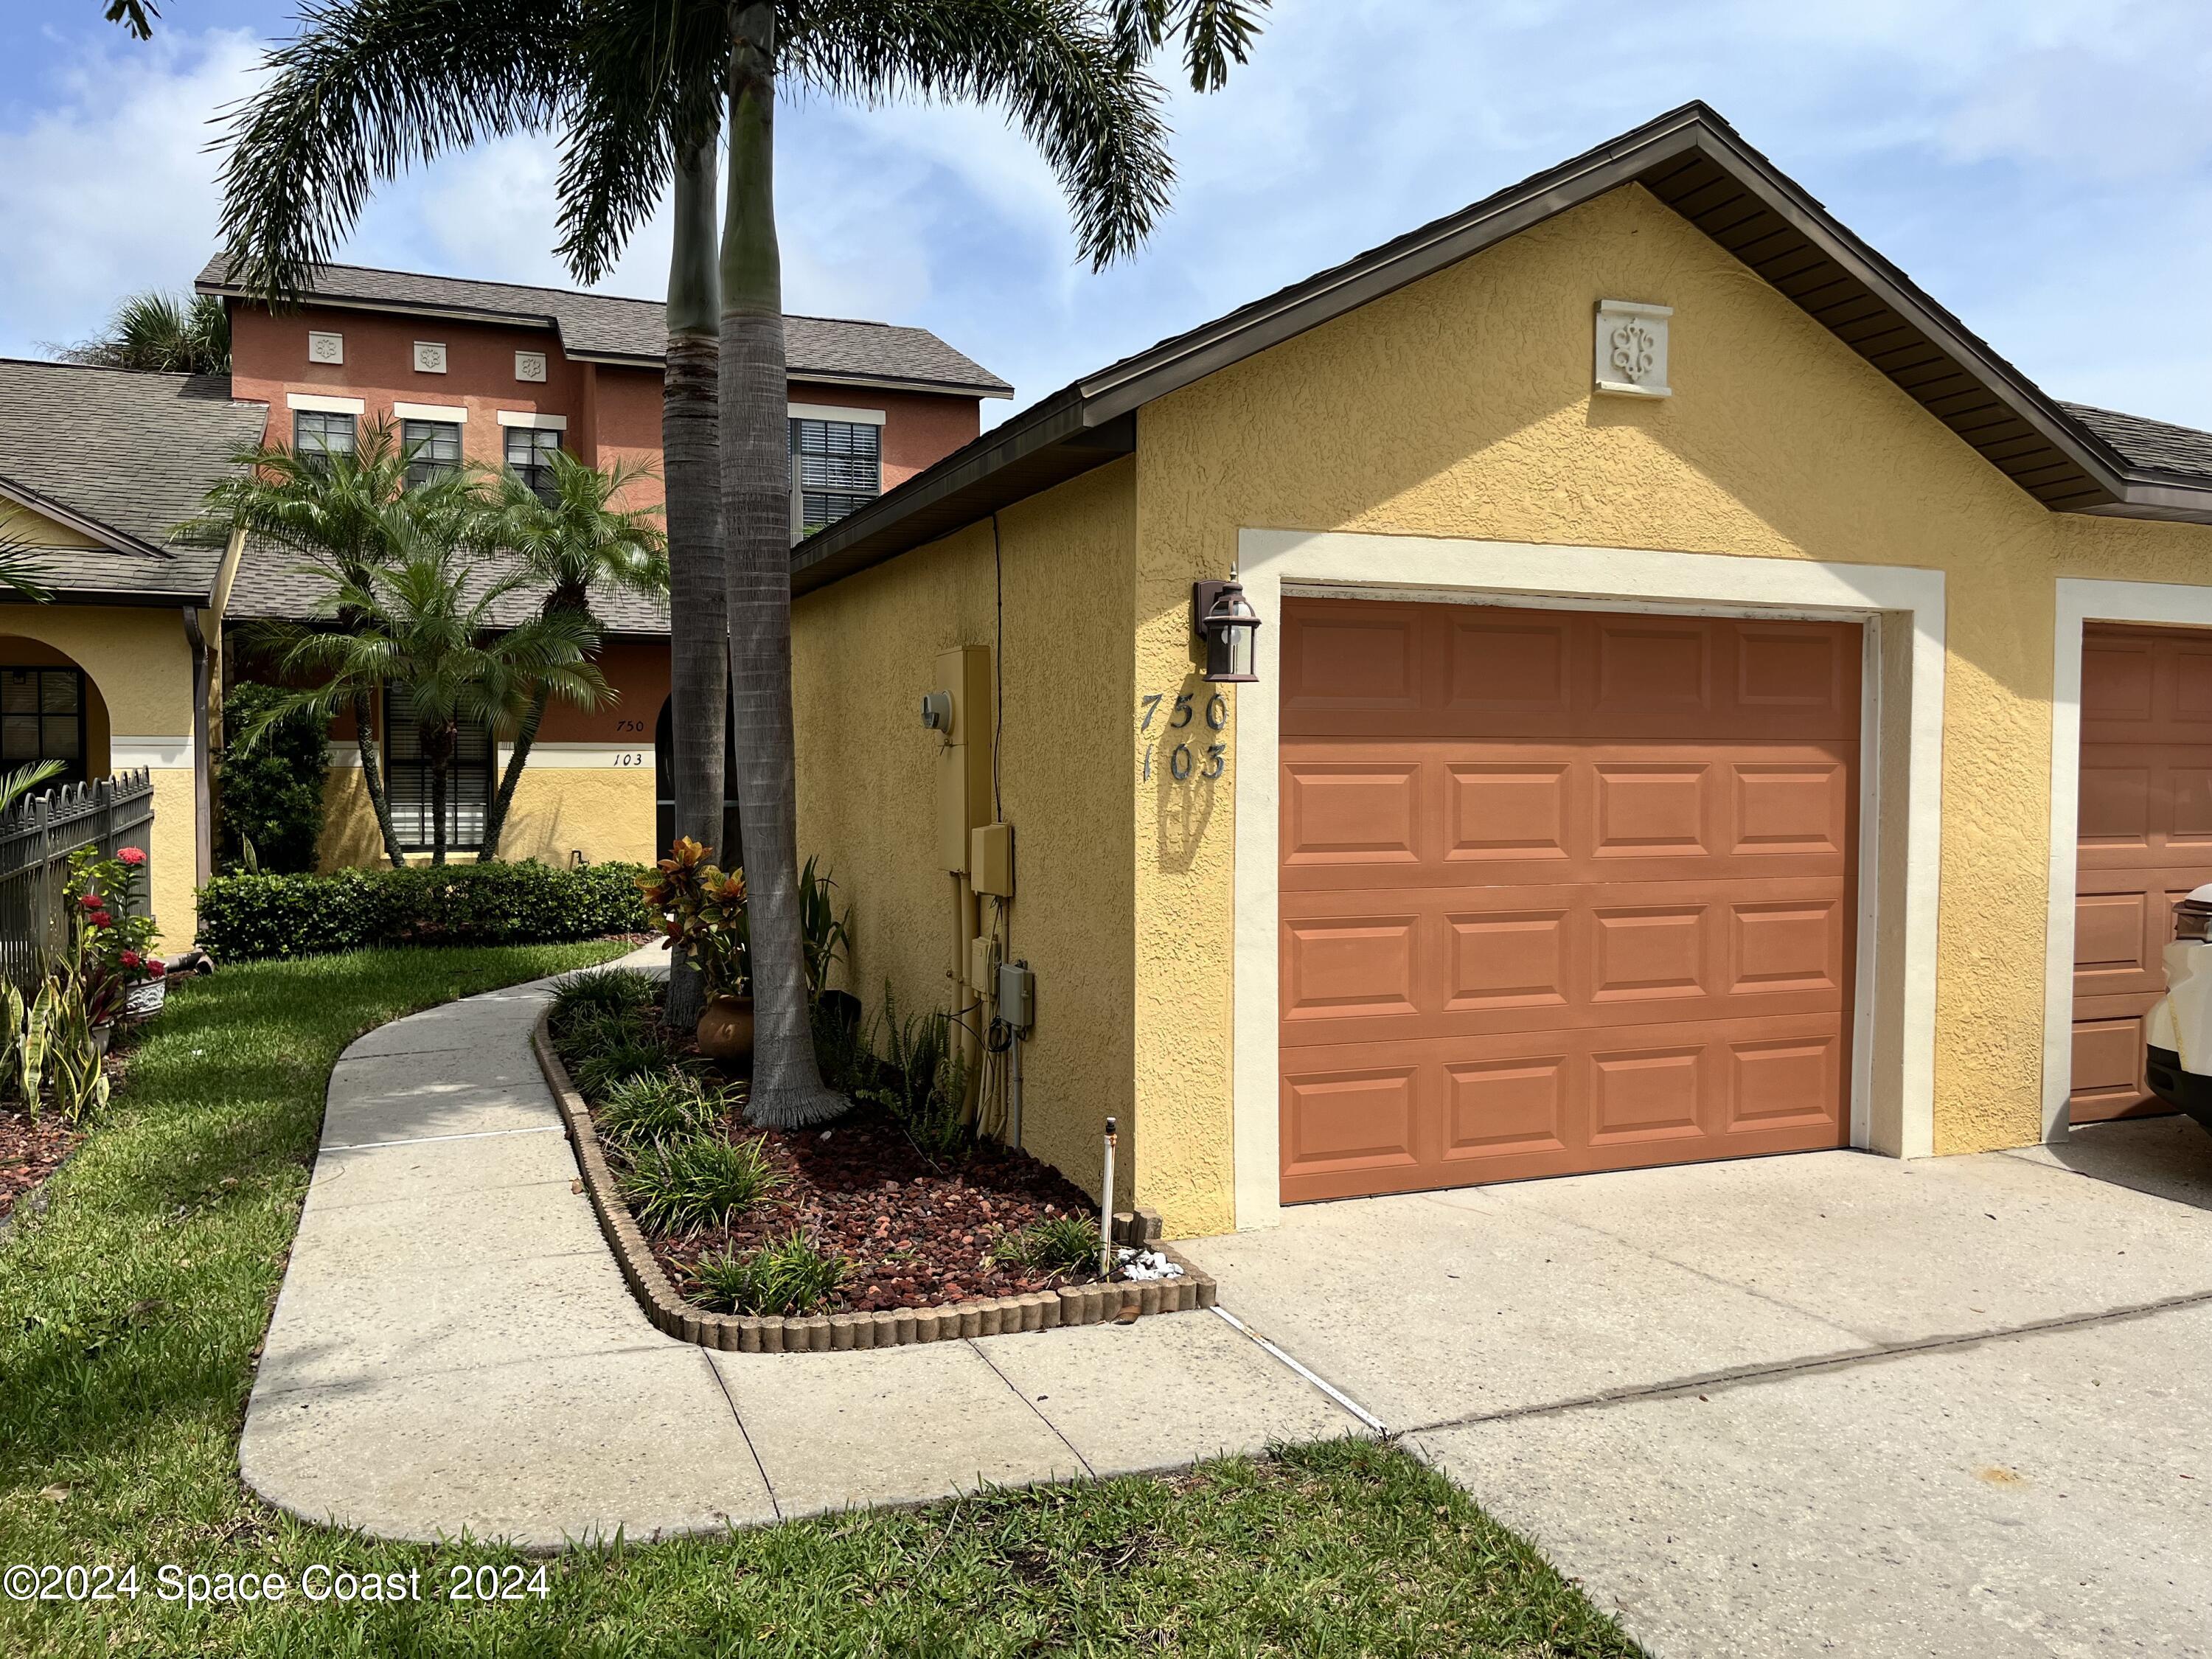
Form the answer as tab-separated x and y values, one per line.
433	449
529	452
407	781
835	467
316	434
42	718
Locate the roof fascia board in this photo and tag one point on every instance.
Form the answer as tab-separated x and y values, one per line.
1825	232
1315	302
114	540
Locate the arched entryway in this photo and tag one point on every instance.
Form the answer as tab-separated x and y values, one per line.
49	709
664	790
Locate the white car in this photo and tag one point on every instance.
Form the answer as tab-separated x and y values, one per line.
2179	1035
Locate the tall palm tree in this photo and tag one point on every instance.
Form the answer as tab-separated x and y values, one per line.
137	16
639	90
576	541
420	624
156	331
344	517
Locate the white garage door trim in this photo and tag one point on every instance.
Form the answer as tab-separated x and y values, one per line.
1893	1042
2082	600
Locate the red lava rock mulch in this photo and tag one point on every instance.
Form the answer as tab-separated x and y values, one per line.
917	1234
29	1152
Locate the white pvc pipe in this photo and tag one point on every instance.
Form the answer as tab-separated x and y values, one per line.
1106	1209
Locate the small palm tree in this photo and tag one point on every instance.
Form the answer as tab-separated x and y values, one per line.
19	567
16	785
155	331
419	624
576	541
345	517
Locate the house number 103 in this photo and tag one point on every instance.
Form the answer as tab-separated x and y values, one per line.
1181	760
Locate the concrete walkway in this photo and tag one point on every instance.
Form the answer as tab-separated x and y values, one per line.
454	1349
1830	1404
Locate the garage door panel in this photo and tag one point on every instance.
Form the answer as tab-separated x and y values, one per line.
1401	1117
1459	961
1506	663
2144	840
1351	812
1502	809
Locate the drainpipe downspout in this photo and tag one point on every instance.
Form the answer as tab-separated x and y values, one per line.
207	695
202	794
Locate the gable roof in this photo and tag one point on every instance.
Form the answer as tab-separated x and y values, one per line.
608	328
2069	458
120	457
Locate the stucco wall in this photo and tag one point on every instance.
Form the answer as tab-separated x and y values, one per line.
138	669
865	652
1460	407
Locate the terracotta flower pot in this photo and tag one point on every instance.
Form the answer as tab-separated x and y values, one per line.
726	1031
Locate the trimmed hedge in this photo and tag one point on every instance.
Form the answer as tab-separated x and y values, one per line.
245	916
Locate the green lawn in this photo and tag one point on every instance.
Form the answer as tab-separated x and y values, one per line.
129	1313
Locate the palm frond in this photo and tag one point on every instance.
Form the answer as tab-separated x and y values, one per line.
1087	102
160	332
365	89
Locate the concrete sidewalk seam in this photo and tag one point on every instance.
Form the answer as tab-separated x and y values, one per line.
1304	1372
1752	1375
425	1141
1082	1461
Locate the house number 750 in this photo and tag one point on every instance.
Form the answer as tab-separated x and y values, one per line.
1181	761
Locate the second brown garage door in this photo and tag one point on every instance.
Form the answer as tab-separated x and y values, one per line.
2145	840
1560	891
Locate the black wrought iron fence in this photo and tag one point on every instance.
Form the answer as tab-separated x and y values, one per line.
36	840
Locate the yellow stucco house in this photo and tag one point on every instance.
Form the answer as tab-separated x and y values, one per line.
97	466
1706	703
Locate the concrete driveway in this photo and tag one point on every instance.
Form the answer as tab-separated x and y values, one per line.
1827	1404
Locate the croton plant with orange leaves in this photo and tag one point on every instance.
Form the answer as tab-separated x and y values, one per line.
700	912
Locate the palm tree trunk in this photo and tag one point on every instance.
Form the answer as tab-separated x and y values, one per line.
525	737
698	644
787	1087
372	777
438	810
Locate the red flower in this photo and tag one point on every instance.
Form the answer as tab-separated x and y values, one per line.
133	856
157	967
131	959
93	901
103	919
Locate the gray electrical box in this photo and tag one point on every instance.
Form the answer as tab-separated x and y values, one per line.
1016	995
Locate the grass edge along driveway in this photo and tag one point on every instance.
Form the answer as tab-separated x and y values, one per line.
131	1313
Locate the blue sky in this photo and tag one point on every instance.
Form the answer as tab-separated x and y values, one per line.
2043	166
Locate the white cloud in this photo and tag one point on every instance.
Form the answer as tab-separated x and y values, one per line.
107	188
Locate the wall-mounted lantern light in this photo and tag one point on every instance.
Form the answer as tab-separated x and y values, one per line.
1224	618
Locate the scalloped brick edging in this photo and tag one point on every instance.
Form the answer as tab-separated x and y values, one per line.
997	1316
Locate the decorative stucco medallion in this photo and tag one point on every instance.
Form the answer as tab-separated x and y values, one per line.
1632	349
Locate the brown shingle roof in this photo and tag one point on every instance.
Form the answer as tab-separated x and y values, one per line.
605	325
2155	446
126	456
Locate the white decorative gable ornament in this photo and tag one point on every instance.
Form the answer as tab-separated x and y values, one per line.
429	357
326	347
1632	349
530	366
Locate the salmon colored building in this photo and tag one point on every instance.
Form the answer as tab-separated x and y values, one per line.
498	374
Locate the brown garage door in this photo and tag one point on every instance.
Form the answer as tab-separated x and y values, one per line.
1560	891
2145	840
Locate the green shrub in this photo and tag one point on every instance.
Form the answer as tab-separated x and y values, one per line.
271	794
247	916
1058	1244
921	1079
620	992
656	1106
614	1057
790	1278
675	1186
